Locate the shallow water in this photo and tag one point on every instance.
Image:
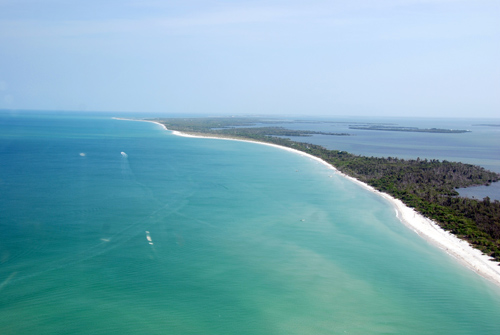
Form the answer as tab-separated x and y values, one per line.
185	235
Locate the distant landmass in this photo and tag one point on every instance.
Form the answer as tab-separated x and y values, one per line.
239	127
487	125
409	129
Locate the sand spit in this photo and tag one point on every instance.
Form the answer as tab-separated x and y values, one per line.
461	250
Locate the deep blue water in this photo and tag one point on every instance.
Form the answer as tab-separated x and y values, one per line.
112	226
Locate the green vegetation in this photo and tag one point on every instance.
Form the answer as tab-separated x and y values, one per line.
232	127
426	185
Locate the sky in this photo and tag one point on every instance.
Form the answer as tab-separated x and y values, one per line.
430	58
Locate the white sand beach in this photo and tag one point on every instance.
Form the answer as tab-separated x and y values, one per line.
459	249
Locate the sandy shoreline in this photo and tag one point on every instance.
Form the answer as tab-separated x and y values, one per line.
461	250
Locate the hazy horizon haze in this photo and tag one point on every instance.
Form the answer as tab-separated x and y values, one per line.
429	58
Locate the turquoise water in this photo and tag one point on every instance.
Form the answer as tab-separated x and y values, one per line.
111	226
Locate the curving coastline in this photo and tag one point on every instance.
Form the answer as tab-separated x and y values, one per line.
461	250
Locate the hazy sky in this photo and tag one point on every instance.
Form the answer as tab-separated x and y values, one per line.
350	57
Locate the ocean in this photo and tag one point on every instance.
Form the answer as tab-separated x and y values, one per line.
113	226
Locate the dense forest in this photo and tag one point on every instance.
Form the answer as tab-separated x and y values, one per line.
428	186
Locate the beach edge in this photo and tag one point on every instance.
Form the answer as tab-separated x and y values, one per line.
426	228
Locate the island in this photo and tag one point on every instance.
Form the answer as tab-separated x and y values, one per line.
428	186
486	125
408	129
